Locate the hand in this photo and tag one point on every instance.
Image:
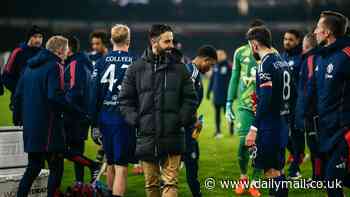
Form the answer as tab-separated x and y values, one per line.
96	136
197	129
229	113
251	136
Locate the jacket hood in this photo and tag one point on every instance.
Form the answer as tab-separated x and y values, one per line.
174	57
42	57
339	44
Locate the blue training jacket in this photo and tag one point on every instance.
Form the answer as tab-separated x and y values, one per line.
331	89
303	111
16	65
77	75
40	97
77	80
219	82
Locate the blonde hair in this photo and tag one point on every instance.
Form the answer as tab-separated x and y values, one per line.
55	43
120	34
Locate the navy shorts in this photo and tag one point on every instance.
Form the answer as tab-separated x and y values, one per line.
269	157
270	149
118	141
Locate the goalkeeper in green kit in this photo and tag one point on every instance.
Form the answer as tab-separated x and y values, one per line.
242	90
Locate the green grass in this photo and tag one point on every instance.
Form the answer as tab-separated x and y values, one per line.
218	159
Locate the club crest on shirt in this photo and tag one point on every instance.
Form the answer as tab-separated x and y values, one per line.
330	69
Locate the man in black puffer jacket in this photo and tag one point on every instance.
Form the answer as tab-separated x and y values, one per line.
158	98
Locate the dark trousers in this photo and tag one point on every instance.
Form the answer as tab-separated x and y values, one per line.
77	148
80	161
312	143
76	135
218	109
191	163
36	162
297	140
335	168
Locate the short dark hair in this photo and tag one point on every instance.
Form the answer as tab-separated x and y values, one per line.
101	35
158	29
73	43
261	34
256	22
207	51
335	22
34	30
311	38
295	32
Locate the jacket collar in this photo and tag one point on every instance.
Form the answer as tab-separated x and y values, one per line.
162	61
339	44
295	51
42	57
311	52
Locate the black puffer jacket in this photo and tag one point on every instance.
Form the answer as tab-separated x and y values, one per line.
158	98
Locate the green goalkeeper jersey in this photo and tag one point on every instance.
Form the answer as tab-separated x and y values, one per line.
243	78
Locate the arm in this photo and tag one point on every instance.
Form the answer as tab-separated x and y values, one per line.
211	82
311	91
302	91
94	101
189	100
233	86
264	92
128	98
17	104
11	70
1	86
56	97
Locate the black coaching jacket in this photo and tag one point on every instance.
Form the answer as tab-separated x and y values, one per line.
158	98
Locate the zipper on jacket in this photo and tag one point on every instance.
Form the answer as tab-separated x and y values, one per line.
154	103
156	150
165	83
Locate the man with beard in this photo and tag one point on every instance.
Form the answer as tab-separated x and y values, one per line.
99	46
331	89
296	143
17	63
157	96
242	89
268	135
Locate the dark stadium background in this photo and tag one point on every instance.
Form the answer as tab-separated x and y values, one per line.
217	22
196	22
